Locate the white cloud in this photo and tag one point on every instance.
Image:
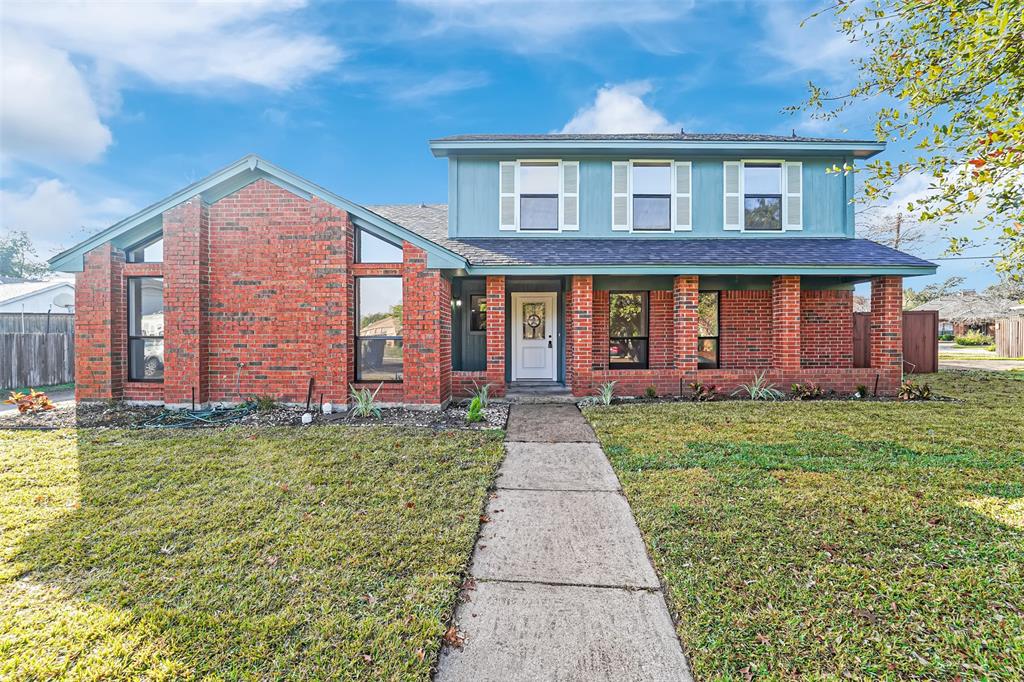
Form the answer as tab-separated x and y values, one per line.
437	86
82	55
46	112
533	26
814	48
620	109
53	213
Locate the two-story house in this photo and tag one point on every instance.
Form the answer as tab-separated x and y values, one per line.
649	260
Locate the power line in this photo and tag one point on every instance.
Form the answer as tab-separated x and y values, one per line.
962	257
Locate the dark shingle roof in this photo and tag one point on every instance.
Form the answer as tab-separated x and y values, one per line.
645	137
431	222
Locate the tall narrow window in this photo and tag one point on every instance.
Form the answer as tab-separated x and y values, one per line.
145	328
379	338
707	330
762	196
652	196
149	251
627	330
373	249
538	195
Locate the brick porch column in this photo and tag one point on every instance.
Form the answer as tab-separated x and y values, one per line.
684	317
495	351
100	326
186	293
426	331
786	323
580	330
887	329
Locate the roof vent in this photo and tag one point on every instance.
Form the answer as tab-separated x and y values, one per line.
682	131
794	132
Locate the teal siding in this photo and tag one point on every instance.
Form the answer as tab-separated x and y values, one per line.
826	208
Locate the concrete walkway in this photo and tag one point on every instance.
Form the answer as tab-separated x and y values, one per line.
564	589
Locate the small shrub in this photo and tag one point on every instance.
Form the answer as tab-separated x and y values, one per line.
974	338
483	393
703	393
759	389
991	348
806	391
946	337
605	392
910	390
651	392
862	391
264	403
475	412
33	401
364	402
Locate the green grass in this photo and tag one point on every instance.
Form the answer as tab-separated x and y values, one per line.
325	553
45	389
836	539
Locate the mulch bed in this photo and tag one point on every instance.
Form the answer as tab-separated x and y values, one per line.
119	415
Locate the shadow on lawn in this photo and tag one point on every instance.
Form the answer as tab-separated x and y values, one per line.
320	554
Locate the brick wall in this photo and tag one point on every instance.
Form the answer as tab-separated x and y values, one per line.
826	329
580	335
745	329
495	372
786	322
886	330
100	330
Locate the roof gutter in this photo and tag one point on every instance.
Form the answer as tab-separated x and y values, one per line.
443	148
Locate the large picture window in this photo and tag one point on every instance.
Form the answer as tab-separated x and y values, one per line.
707	330
373	249
627	330
145	328
379	336
652	196
762	196
538	195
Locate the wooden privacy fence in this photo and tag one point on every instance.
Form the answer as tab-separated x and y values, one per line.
39	323
920	340
31	360
1010	337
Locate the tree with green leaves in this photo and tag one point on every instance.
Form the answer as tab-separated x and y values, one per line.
949	78
18	257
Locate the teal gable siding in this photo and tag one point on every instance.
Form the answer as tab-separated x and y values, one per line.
826	201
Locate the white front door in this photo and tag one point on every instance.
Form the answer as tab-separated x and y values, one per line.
534	336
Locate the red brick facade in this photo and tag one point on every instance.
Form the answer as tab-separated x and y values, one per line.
259	297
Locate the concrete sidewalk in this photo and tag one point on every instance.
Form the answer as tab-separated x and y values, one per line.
564	589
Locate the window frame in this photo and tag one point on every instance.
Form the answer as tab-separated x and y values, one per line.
472	309
359	339
143	244
669	164
718	326
133	337
557	165
781	196
646	313
359	246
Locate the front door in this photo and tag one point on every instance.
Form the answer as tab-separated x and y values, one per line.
534	336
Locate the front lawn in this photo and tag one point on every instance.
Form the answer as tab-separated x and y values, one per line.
828	539
323	553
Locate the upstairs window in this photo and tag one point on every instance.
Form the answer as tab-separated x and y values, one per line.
627	330
149	251
762	196
373	249
652	196
145	328
379	337
538	195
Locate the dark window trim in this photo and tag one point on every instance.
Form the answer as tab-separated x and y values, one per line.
647	325
148	241
359	379
718	326
131	337
359	248
472	308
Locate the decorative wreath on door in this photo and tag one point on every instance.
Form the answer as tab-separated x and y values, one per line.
533	321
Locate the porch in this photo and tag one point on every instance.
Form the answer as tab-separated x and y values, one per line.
667	332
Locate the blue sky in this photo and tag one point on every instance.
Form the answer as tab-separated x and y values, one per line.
109	107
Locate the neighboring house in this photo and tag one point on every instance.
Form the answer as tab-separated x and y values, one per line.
32	296
649	260
968	310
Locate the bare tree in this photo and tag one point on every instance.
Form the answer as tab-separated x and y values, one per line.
896	230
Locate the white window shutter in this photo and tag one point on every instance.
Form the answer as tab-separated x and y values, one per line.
508	206
793	206
733	203
570	213
682	209
620	195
